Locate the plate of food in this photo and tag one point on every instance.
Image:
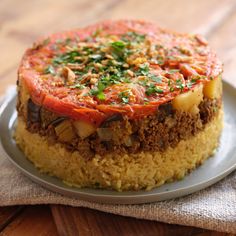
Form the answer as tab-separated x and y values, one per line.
121	112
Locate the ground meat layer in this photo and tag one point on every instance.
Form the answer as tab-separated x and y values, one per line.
133	171
118	134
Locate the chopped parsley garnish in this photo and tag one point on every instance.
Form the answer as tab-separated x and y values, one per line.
50	70
189	84
179	84
118	46
146	99
160	61
98	92
152	89
143	69
156	78
101	96
102	61
124	96
119	51
95	56
133	37
143	82
69	57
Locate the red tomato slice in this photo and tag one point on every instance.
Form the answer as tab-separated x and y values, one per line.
76	104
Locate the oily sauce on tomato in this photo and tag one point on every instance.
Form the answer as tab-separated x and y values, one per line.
127	67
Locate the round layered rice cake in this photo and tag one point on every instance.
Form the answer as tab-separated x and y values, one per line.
122	105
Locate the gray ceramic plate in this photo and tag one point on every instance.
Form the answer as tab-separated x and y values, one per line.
212	171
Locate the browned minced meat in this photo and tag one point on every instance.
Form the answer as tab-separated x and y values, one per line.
153	133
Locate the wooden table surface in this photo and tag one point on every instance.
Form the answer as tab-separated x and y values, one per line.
21	22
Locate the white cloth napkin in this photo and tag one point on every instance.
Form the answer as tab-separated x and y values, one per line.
213	208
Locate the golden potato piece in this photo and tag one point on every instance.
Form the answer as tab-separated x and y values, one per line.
83	128
189	101
64	131
213	88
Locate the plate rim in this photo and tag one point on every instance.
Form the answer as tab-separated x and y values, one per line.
116	198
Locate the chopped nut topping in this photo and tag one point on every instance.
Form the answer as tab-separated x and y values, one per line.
69	75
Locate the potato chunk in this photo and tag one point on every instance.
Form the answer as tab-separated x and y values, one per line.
64	131
213	88
189	101
84	129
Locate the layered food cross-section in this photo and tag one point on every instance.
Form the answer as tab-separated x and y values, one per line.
122	105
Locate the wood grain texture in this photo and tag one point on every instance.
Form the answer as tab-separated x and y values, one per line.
224	41
181	15
72	221
8	214
22	25
33	221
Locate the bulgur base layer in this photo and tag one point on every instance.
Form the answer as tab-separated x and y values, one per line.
144	170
